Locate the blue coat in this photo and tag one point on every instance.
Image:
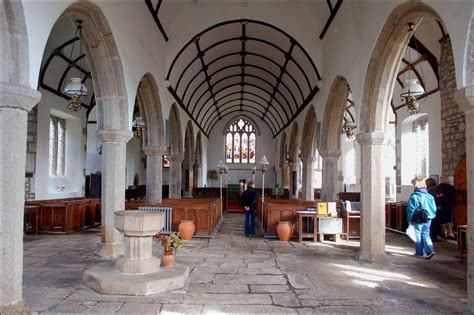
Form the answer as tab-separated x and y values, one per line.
421	199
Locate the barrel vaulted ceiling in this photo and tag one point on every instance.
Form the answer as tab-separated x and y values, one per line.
243	66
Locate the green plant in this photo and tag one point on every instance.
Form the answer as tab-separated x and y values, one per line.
285	220
172	243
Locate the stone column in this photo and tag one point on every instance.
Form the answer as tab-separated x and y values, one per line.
465	100
197	174
294	180
15	102
114	146
154	174
372	225
329	175
188	178
175	176
308	178
285	176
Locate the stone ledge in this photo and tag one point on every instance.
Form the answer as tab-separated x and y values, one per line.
15	309
106	279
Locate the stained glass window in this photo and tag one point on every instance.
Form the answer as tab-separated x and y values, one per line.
57	146
240	142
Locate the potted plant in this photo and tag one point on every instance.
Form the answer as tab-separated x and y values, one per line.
284	229
186	229
171	244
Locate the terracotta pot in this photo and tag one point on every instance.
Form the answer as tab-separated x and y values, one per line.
284	230
167	260
186	229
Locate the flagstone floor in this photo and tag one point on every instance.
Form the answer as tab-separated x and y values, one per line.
235	274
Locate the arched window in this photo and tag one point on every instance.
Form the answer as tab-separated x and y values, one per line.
240	142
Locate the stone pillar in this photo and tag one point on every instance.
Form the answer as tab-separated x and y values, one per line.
154	174
285	176
197	174
465	100
294	179
114	146
329	175
188	178
453	126
308	178
15	102
372	225
175	176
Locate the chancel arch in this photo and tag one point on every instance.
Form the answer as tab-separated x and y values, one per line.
175	152
148	99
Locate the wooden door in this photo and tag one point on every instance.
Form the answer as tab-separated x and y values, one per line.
460	184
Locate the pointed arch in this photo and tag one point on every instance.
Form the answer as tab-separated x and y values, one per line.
189	143
294	142
150	106
198	155
308	137
105	65
176	142
383	65
334	114
283	149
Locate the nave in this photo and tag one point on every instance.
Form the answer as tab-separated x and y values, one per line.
234	274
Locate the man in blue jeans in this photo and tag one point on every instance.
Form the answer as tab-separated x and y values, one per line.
249	201
421	199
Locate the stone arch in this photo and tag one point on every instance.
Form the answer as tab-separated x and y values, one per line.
308	150
283	148
188	163
293	153
333	115
176	142
379	83
105	64
176	153
308	137
150	106
383	65
16	99
197	166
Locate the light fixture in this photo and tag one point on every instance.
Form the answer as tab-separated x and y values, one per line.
76	88
138	126
348	128
222	168
413	91
264	164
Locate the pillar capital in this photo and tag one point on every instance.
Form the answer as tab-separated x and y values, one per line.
18	96
371	138
114	135
465	99
154	150
330	154
308	159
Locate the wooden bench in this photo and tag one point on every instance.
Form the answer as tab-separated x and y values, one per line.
63	218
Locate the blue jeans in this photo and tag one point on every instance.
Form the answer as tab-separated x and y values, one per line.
250	222
423	239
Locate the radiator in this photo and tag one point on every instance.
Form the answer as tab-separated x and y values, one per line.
168	228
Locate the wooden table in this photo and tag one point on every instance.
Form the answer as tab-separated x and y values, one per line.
314	234
462	244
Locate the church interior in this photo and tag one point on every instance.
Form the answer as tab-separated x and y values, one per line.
124	122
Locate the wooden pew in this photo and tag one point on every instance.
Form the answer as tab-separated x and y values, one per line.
57	217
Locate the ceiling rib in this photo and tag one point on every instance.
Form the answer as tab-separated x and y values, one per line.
154	13
333	12
268	73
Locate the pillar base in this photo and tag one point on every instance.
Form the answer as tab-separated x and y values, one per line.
127	265
372	258
111	251
106	279
15	309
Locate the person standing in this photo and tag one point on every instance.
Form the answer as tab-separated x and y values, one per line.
447	201
421	199
249	200
434	191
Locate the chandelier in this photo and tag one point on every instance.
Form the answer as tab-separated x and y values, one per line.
138	126
76	88
349	124
413	91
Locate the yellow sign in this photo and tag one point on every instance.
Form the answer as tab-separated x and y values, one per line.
322	208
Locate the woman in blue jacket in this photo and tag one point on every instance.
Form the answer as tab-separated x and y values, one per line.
421	199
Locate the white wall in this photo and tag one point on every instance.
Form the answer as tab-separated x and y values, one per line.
73	179
264	143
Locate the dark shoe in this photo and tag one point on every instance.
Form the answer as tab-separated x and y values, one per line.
430	255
